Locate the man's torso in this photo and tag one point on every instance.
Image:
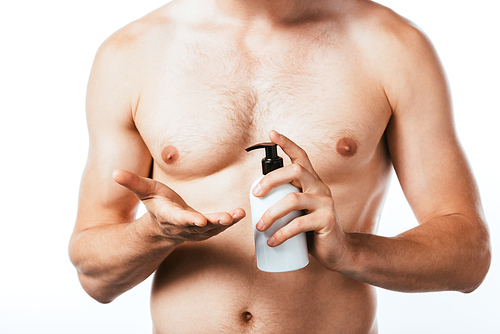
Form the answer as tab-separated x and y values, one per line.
206	92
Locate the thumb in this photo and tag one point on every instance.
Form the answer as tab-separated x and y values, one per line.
142	187
168	206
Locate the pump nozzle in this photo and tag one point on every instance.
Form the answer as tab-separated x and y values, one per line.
272	161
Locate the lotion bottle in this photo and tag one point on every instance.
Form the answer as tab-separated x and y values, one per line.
292	254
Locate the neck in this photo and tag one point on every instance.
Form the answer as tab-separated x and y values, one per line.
279	11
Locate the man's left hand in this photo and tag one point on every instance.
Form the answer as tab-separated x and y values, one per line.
327	240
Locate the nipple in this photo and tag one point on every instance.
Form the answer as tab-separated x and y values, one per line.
170	155
347	147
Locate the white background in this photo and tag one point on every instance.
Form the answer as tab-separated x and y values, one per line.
46	52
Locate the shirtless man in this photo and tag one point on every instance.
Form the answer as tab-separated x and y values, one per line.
179	94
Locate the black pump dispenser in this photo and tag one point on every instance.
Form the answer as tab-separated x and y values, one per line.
272	161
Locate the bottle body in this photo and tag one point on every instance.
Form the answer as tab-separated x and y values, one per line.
292	254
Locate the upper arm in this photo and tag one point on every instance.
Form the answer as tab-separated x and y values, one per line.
112	97
430	164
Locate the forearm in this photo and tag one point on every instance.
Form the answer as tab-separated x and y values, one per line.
114	258
447	253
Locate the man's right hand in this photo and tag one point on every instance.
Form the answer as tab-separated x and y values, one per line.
178	221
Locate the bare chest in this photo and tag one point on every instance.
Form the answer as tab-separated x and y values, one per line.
205	101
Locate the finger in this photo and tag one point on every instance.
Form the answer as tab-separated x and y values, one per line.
295	152
145	188
142	187
237	214
226	218
219	218
168	207
289	203
295	227
316	221
294	174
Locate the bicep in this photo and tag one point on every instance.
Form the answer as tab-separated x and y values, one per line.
429	161
114	143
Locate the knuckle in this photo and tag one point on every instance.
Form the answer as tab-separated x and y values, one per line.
329	214
299	224
328	200
279	234
327	191
297	169
282	234
154	188
294	198
146	191
295	227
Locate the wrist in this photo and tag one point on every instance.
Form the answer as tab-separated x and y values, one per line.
348	264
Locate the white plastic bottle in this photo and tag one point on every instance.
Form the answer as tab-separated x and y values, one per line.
292	254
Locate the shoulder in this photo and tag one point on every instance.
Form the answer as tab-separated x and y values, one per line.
117	75
398	52
124	57
380	31
137	37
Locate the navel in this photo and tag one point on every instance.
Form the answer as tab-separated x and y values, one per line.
247	316
347	147
170	155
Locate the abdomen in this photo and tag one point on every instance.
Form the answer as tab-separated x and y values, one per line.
215	287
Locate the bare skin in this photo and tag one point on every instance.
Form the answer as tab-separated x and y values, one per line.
351	88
